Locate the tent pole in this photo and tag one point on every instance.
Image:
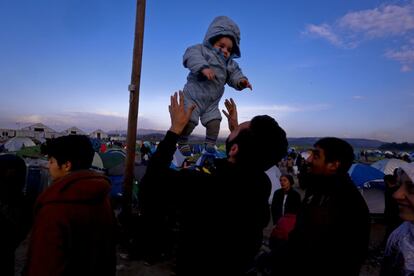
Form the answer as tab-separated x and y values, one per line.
134	89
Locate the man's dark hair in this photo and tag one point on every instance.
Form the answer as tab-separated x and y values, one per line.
337	150
74	148
390	178
263	144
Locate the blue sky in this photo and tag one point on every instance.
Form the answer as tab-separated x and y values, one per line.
337	68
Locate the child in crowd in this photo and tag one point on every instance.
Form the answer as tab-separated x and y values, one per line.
211	66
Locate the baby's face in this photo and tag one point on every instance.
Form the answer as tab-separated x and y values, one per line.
225	45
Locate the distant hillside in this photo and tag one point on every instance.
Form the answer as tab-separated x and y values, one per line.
140	131
397	146
355	142
156	135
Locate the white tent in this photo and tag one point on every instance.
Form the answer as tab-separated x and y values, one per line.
16	143
97	162
274	175
305	154
387	166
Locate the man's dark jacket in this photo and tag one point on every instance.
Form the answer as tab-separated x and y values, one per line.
332	229
222	213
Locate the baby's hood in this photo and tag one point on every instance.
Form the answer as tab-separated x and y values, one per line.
408	169
223	25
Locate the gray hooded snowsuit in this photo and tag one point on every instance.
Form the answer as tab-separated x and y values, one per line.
198	90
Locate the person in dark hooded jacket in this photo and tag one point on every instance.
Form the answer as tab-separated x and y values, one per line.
211	66
74	227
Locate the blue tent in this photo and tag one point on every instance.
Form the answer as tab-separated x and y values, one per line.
361	174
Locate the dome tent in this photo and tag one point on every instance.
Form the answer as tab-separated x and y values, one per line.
16	143
387	166
362	173
97	162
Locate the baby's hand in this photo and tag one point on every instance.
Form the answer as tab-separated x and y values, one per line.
244	83
208	73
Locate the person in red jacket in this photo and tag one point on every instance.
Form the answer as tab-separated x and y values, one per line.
73	232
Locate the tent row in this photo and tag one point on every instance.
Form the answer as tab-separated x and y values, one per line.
362	174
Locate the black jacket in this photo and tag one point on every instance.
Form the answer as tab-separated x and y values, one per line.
332	229
291	206
222	214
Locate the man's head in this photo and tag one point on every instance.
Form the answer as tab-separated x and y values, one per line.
259	143
331	156
67	154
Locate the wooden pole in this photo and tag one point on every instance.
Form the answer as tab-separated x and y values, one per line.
133	106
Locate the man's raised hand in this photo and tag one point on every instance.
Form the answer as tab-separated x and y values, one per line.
179	116
231	113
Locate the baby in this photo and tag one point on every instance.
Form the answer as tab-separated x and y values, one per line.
211	66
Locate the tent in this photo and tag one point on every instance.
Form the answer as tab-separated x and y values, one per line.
205	160
362	173
305	154
16	143
97	162
387	166
114	161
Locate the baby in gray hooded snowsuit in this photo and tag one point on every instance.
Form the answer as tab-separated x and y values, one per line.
211	66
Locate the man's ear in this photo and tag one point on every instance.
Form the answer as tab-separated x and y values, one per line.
67	166
233	152
333	167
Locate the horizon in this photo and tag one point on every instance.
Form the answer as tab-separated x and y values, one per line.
320	68
149	131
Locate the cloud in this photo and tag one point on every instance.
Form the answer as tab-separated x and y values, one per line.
324	31
357	97
284	108
404	55
247	112
385	21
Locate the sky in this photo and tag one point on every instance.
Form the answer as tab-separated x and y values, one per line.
320	68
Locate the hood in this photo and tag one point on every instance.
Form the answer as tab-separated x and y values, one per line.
223	25
408	168
80	186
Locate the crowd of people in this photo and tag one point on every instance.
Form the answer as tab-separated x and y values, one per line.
219	213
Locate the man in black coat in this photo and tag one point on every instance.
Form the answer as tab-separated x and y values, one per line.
332	228
222	212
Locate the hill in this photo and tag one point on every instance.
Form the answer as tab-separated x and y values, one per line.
303	142
357	143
